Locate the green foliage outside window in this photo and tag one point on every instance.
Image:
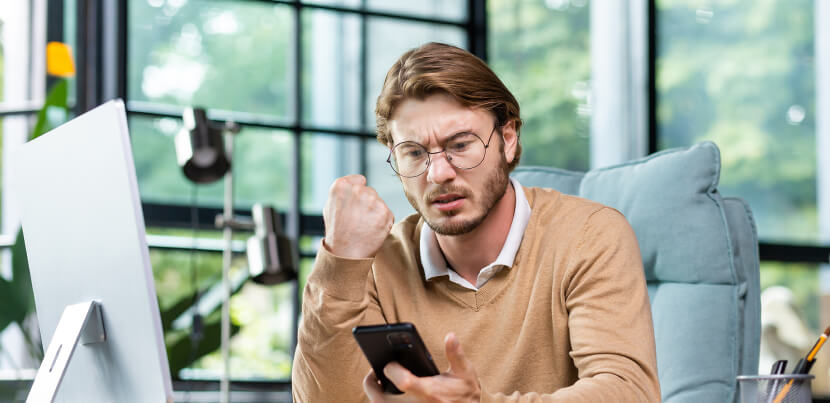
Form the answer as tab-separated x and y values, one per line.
541	50
742	74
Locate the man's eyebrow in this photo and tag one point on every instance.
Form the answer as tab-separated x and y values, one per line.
464	131
451	135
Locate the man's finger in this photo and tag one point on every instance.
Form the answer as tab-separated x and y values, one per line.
399	376
372	387
356	179
459	364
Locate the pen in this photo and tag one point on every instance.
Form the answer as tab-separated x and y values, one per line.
804	365
778	368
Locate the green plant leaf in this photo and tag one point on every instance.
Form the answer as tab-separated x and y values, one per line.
174	311
56	102
21	278
8	309
180	353
18	299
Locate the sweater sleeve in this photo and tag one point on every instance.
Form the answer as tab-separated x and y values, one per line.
609	319
328	364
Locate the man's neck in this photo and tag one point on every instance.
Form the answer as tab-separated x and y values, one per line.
486	240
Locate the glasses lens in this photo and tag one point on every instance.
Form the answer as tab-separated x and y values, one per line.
409	159
466	150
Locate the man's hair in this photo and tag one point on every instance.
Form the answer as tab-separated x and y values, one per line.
437	68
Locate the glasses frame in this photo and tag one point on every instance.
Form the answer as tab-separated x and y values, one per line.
444	151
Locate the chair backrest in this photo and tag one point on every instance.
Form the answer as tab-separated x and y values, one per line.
700	255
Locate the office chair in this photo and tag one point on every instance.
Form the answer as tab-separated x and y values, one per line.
700	255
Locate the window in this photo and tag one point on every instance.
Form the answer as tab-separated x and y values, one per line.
301	78
744	75
21	91
541	51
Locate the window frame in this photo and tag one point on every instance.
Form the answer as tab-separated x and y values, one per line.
102	37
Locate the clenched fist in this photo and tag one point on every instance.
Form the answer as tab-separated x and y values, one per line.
356	218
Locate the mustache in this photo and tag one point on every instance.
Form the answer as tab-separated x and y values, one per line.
447	189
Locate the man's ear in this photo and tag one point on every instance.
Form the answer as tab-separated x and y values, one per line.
511	139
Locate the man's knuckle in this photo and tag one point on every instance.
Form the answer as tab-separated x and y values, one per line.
406	383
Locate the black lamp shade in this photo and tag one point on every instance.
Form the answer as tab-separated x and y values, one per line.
271	255
200	150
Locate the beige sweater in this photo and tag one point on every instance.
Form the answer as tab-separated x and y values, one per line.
570	321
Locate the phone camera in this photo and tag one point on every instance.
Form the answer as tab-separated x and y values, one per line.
399	340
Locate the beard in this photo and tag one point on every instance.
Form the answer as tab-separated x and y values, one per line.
494	188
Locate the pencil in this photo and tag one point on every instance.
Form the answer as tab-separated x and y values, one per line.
804	365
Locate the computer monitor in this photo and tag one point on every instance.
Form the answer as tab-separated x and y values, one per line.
85	240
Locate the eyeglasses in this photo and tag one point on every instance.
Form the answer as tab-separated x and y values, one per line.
464	151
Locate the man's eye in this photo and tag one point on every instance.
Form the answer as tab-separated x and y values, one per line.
414	153
459	146
411	152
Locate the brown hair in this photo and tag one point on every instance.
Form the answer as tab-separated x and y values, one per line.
439	68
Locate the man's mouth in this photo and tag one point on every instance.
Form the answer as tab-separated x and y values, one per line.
448	202
446	199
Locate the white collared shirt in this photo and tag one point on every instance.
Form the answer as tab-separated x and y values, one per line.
433	259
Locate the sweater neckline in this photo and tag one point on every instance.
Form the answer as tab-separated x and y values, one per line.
477	299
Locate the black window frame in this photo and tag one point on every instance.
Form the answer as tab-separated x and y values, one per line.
102	75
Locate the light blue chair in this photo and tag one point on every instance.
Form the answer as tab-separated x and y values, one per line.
700	254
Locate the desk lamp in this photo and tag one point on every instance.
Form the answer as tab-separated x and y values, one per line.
204	158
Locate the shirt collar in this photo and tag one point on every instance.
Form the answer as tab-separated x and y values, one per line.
435	265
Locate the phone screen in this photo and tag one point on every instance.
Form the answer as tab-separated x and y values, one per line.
400	342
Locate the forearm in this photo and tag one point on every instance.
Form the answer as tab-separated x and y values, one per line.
328	364
601	388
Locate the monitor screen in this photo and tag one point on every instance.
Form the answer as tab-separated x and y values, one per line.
85	240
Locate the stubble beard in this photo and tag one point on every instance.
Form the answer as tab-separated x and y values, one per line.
494	189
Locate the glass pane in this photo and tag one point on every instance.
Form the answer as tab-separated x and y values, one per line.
259	348
15	55
309	243
325	158
331	55
454	10
388	39
262	168
742	74
305	270
14	131
541	50
795	309
70	27
385	182
228	55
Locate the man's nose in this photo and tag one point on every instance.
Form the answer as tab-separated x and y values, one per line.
440	170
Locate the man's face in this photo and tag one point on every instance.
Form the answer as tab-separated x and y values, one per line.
453	201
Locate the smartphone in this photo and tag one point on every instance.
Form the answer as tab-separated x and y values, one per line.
400	342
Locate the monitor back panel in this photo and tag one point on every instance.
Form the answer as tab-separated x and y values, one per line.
85	240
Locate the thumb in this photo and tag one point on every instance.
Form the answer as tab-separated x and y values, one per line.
459	364
356	179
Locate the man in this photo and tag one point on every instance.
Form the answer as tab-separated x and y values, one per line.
545	291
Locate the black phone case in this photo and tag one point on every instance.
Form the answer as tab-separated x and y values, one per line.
400	342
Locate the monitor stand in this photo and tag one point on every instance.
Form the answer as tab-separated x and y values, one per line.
83	322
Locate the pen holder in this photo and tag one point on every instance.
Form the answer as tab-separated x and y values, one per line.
766	388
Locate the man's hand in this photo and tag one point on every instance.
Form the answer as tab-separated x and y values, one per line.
357	220
458	384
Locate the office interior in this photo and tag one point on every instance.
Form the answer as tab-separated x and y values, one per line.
600	82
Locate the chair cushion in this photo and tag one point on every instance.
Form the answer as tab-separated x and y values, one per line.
660	195
700	259
665	194
697	341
